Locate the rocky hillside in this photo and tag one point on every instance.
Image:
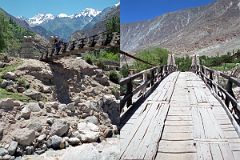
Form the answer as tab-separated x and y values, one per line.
56	106
208	30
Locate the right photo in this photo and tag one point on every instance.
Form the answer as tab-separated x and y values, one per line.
180	85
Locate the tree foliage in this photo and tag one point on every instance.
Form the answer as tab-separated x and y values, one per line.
11	34
113	24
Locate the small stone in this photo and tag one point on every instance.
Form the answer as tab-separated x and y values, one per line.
24	136
1	132
50	121
71	107
12	148
57	142
41	137
74	141
20	89
52	105
35	95
107	133
41	151
41	104
3	152
29	150
25	113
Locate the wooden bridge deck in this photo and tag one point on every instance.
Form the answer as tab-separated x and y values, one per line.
180	120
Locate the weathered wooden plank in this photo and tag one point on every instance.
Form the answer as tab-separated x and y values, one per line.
172	156
179	118
177	136
178	129
176	146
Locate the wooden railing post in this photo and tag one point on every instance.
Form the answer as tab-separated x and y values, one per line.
230	91
129	92
152	77
211	78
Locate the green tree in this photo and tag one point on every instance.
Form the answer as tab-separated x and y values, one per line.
113	24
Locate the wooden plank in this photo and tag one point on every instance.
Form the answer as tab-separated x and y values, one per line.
176	146
179	118
216	151
178	129
178	123
203	151
177	136
172	156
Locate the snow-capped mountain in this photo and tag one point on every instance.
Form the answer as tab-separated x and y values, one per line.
62	24
43	18
39	19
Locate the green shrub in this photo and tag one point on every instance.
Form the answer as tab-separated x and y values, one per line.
114	76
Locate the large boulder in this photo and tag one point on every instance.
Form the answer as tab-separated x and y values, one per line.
35	95
24	136
59	128
83	152
33	106
10	76
111	106
88	132
8	104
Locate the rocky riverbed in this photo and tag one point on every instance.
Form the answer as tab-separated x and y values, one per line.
66	109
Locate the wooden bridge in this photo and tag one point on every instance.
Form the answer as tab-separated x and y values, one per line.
171	115
102	40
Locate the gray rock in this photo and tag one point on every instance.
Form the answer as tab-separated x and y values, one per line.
35	95
7	157
21	89
3	152
57	142
36	126
74	141
1	132
41	137
2	64
6	83
34	107
29	150
62	107
25	113
10	76
92	119
50	121
8	104
88	132
24	136
12	148
83	152
52	105
59	128
41	104
102	80
71	107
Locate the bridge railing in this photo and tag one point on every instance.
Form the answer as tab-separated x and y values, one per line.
213	79
142	84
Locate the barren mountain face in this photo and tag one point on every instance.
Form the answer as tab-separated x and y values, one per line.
209	30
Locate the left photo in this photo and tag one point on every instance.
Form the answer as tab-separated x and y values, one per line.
59	80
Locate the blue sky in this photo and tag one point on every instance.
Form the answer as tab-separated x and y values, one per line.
29	8
138	10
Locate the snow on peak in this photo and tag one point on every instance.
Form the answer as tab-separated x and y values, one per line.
40	18
117	4
90	12
62	15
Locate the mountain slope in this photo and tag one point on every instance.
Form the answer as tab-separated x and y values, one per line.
210	30
11	34
98	24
